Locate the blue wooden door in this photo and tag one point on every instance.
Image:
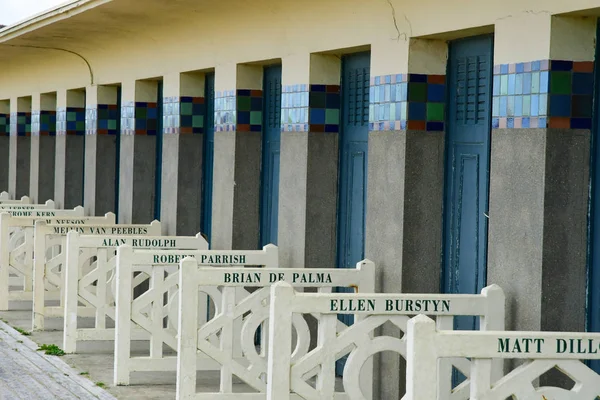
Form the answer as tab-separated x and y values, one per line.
118	152
209	154
271	140
354	134
353	159
159	148
593	309
467	167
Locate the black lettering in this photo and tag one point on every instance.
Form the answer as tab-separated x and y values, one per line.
502	345
334	305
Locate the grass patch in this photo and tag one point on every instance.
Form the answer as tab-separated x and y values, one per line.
101	384
19	341
84	373
51	350
23	332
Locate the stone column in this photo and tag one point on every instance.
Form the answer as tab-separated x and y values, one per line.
4	143
183	128
405	177
101	149
308	188
138	152
542	108
23	139
69	162
43	147
12	153
236	189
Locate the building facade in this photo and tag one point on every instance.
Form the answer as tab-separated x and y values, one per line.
451	142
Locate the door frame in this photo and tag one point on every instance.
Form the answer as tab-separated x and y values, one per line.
264	197
159	148
208	162
444	281
592	311
341	136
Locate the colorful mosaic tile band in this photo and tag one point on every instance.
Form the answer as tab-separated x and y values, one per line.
91	121
43	123
171	115
24	124
183	115
324	113
47	123
192	111
543	94
70	121
294	108
146	118
225	111
107	116
413	101
13	124
4	124
61	121
128	118
249	110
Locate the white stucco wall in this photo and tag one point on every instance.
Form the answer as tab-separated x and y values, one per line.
223	34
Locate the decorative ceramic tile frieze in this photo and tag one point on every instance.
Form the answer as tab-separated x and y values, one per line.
171	115
106	116
13	124
35	123
24	124
61	121
407	101
388	98
294	108
43	123
47	123
249	110
543	94
192	111
128	118
183	115
324	114
75	121
146	118
225	111
4	124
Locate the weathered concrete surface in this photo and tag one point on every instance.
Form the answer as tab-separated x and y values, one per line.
28	374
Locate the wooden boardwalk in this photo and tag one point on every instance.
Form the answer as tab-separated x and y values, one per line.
31	375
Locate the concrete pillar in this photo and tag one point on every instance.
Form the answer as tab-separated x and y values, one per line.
23	129
308	188
4	143
69	162
100	149
12	153
236	189
183	128
137	166
543	91
43	147
405	178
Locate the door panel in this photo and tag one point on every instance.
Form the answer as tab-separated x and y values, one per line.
353	166
467	167
270	154
159	147
353	159
593	309
209	154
